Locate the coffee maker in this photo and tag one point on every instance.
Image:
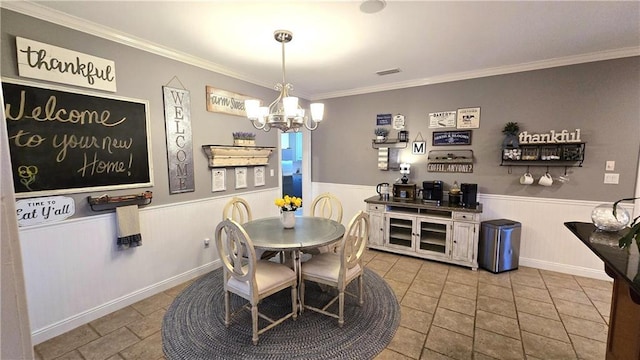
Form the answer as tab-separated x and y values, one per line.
432	191
469	195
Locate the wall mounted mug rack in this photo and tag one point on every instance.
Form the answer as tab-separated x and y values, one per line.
106	202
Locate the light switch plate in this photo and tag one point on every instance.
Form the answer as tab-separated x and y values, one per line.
611	178
610	165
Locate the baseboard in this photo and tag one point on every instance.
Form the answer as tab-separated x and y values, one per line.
85	317
565	269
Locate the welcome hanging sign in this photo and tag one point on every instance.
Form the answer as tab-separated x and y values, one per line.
42	61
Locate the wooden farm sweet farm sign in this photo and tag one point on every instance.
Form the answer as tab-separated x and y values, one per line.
227	102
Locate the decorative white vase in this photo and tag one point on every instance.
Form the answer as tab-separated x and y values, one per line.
603	219
288	219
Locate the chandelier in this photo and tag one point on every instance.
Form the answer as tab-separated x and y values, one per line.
283	113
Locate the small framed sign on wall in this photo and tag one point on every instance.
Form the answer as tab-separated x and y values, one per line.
468	118
461	137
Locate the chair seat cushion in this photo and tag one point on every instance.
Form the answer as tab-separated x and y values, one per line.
327	267
269	275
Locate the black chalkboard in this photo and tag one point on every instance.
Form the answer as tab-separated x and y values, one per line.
68	142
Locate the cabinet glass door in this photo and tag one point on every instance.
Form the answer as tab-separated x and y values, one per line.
434	237
400	232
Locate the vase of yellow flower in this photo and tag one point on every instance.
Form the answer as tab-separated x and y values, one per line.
288	205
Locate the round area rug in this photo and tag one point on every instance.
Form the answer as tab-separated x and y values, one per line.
193	327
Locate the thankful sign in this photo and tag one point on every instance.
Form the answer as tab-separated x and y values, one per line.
42	61
551	137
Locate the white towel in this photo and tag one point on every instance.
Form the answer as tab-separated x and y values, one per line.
128	226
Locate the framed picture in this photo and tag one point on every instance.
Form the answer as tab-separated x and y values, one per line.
443	119
462	137
258	176
218	180
241	177
383	119
469	118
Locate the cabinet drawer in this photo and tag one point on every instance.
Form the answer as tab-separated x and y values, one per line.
375	207
465	216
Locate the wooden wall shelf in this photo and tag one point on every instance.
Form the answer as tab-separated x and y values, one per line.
563	154
451	156
228	156
389	143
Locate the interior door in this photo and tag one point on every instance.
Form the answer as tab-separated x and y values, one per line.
292	166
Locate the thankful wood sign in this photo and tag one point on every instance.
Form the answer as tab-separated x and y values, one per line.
42	61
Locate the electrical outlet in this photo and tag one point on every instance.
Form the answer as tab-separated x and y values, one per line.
610	165
206	242
611	178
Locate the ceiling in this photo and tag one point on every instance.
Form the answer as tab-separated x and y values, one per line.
337	49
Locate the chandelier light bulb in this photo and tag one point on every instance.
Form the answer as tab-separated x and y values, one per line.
317	111
251	106
290	106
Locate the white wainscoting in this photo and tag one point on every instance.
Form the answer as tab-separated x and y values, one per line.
74	273
545	242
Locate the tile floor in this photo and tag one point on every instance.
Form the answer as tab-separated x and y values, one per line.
448	312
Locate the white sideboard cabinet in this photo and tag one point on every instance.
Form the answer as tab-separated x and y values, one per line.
436	232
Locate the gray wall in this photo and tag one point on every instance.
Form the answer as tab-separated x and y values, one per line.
600	98
141	75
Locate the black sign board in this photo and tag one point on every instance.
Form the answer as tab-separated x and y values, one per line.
383	119
452	137
68	142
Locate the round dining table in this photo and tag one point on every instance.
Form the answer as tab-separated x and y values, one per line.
309	232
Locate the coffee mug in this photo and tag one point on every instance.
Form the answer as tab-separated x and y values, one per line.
545	180
526	179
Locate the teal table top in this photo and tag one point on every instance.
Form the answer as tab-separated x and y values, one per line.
309	232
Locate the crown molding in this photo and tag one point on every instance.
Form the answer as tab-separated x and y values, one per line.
75	23
82	25
502	70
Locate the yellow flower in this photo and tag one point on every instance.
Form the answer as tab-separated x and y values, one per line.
288	203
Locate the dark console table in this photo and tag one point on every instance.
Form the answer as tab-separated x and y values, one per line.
623	341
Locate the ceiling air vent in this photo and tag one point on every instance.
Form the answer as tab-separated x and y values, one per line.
388	72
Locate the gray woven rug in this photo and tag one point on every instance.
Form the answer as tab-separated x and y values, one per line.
193	327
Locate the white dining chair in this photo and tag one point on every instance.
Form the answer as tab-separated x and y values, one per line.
328	206
238	209
337	270
250	278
